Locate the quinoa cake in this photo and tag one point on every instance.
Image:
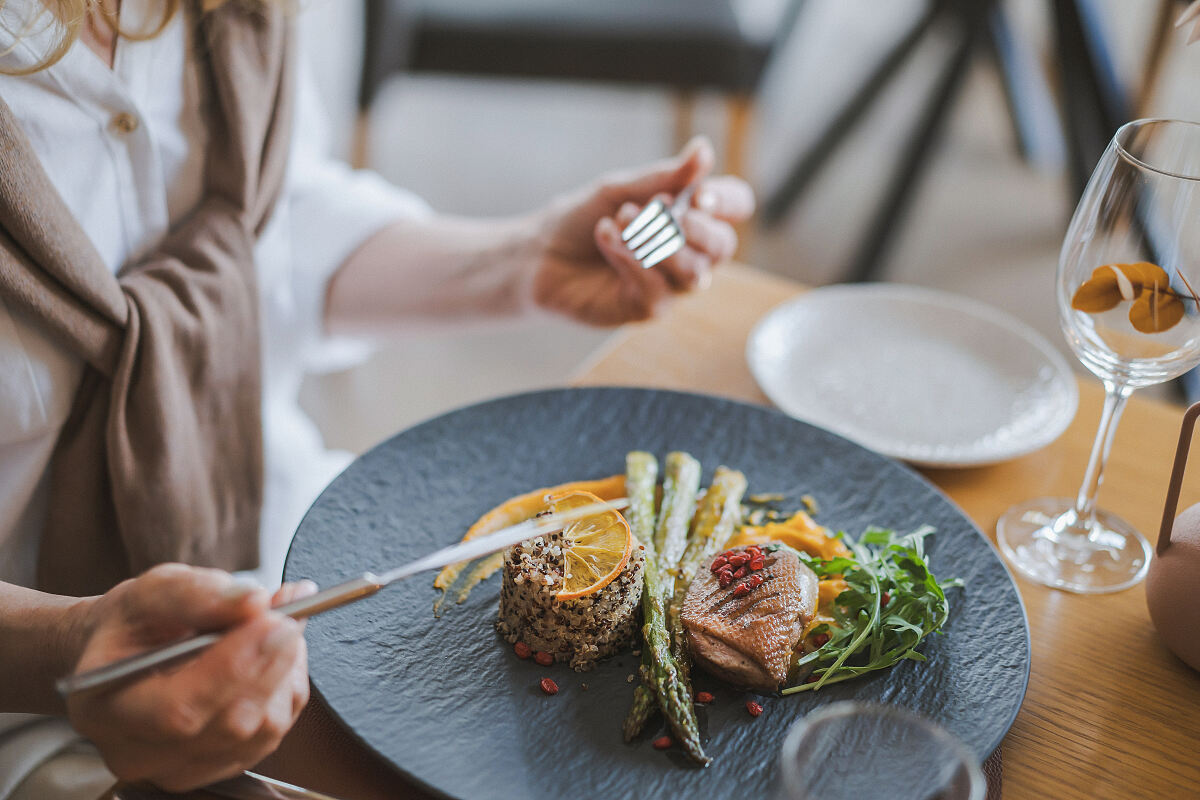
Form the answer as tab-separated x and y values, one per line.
580	630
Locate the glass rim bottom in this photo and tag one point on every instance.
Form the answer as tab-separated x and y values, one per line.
1111	558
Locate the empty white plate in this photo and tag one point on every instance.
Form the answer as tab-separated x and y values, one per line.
920	375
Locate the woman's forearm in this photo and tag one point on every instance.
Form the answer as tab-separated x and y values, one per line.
41	636
441	269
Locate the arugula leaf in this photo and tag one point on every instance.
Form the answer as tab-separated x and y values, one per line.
866	634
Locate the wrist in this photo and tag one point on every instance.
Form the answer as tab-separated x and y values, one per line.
529	241
75	625
41	636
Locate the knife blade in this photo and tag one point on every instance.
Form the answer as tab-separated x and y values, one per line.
343	593
247	786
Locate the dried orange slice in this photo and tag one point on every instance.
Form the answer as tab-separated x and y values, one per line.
595	548
518	509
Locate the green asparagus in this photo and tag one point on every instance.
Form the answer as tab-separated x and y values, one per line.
715	520
661	678
661	674
641	475
681	482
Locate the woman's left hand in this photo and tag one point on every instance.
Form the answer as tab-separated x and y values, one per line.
586	272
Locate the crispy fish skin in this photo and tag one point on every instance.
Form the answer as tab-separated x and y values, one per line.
748	641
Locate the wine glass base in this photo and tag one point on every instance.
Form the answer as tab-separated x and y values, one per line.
1046	543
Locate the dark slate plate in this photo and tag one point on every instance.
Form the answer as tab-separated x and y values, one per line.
447	702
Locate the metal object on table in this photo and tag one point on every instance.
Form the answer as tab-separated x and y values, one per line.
655	234
247	786
364	585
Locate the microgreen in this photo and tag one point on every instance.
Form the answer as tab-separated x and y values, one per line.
867	635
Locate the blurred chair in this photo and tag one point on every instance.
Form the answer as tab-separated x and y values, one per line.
686	45
1090	106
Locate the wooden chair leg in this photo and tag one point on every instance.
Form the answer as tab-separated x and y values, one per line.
740	110
361	144
685	108
739	124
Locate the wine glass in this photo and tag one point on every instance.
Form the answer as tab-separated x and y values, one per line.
1127	286
851	750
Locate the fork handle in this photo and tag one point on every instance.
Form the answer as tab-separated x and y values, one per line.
111	674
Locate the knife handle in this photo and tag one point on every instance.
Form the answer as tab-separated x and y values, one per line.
110	674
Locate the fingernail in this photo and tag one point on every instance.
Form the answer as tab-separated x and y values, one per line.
305	588
239	588
704	280
280	637
706	200
245	717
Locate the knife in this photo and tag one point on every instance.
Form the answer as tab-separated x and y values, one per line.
247	786
349	591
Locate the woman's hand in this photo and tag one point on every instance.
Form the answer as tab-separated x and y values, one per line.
212	716
586	272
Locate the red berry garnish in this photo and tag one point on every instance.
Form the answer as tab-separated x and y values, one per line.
754	708
755	581
741	590
718	562
704	697
741	572
543	658
662	743
522	650
548	686
757	563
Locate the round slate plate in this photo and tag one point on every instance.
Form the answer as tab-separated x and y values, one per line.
446	701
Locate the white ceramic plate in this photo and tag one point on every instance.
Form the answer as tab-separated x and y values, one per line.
920	375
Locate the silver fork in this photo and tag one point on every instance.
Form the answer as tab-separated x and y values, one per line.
655	233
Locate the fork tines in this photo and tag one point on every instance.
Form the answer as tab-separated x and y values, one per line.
653	235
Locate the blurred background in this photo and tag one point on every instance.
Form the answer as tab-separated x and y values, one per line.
918	141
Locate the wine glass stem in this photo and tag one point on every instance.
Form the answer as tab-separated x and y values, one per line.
1115	395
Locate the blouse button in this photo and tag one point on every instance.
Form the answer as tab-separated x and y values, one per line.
124	122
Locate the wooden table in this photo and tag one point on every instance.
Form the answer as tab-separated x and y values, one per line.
1110	713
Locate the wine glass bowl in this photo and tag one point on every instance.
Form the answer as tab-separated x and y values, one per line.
850	750
1128	307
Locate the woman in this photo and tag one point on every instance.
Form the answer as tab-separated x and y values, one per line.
173	247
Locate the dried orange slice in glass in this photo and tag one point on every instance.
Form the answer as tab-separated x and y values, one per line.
595	548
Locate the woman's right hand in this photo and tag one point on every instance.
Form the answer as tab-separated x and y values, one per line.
212	716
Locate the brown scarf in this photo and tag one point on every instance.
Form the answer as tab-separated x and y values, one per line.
161	458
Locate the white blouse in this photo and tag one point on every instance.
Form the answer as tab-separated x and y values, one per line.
125	149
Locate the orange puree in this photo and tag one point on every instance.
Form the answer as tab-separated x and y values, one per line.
799	532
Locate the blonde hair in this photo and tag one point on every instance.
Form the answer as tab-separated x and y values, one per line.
69	16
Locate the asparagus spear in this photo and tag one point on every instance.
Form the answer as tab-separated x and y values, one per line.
715	520
660	674
641	475
680	484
